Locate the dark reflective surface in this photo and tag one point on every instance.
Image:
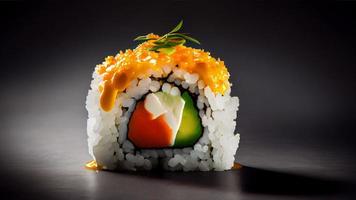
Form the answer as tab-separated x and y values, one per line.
245	183
260	181
291	64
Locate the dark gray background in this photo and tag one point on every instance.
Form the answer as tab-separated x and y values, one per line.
292	65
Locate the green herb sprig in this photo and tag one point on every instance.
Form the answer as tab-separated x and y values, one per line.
169	40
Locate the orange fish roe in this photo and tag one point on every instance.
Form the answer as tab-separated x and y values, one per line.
118	72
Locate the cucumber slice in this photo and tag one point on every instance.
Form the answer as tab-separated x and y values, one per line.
190	128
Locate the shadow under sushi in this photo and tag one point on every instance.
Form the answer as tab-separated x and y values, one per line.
262	181
250	180
216	180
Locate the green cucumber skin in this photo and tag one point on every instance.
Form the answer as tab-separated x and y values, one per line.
190	129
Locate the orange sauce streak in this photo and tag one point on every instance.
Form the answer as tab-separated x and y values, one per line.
236	166
118	71
93	165
146	132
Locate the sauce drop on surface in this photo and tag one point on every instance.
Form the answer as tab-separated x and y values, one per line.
118	71
93	165
236	166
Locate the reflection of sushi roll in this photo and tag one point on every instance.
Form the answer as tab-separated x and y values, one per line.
162	105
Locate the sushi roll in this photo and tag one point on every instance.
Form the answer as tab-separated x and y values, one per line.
162	105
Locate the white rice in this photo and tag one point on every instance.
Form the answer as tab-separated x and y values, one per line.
107	131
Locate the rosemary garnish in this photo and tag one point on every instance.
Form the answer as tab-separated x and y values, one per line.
169	40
